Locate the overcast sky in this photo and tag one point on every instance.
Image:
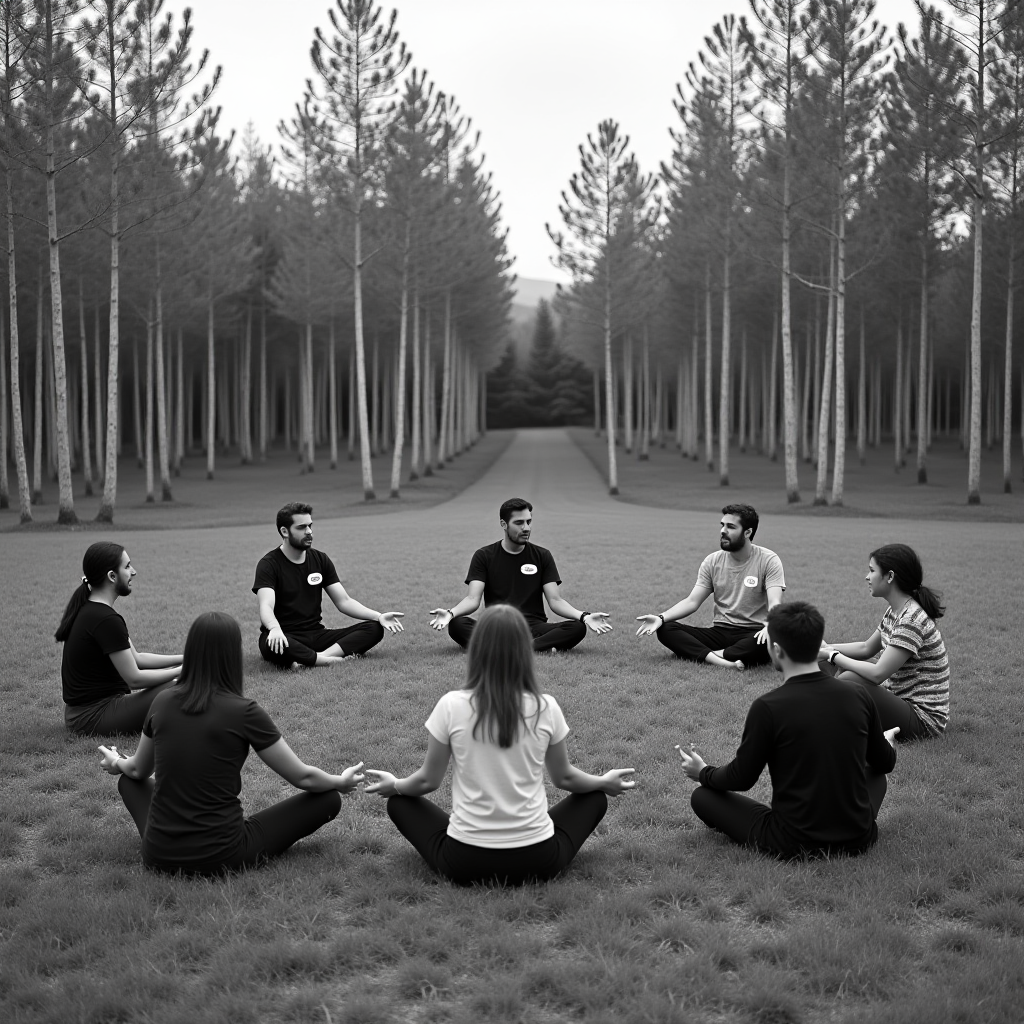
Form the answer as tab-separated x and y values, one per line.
535	76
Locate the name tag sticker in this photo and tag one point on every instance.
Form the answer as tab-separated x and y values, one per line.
529	569
750	581
314	578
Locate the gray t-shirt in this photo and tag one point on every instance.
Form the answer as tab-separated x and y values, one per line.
741	589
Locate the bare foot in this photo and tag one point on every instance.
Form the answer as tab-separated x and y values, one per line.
714	658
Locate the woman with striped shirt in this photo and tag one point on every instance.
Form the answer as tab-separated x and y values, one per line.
909	681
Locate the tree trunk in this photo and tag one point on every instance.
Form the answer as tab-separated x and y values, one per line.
897	400
862	396
364	425
352	414
245	388
609	389
709	432
84	410
428	401
97	399
772	423
148	443
211	390
179	426
627	394
37	404
805	396
1008	377
789	436
162	446
643	448
597	402
446	378
332	389
839	469
5	498
396	459
415	464
725	371
742	440
825	411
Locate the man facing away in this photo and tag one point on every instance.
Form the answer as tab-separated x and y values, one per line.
289	586
747	581
826	753
516	572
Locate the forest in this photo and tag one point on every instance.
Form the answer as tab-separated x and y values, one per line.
825	259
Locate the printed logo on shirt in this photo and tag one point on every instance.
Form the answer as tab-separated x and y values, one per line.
750	581
314	578
529	569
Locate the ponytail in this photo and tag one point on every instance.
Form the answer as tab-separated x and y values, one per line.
100	558
902	561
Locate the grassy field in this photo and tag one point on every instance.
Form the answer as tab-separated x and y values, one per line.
874	489
658	920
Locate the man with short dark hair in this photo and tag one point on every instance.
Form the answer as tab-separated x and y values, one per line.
514	571
289	586
747	581
826	753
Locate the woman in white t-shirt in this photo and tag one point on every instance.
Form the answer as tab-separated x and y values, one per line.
501	732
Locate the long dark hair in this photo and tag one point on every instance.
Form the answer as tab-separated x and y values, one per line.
212	661
902	561
499	670
99	559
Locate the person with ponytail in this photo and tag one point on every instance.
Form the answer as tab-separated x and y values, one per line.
500	732
909	681
182	783
107	684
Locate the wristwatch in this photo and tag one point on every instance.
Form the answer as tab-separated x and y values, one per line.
832	657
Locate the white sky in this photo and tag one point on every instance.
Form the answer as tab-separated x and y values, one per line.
535	76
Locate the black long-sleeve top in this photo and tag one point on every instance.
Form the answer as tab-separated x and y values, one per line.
820	739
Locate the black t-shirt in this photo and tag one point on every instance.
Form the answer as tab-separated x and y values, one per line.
87	674
819	738
195	820
298	589
517	580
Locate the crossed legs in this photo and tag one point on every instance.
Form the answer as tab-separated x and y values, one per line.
731	646
562	635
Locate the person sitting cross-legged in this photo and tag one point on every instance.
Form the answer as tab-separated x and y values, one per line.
518	572
825	749
108	686
289	586
747	582
182	783
909	678
500	732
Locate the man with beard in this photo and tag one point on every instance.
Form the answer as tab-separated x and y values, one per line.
289	585
747	581
514	571
824	747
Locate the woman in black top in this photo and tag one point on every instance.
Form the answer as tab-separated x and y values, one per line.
100	666
196	739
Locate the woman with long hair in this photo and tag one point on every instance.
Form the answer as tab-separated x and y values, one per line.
107	685
909	681
181	785
500	732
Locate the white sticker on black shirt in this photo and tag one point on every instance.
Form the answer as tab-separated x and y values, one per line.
528	569
314	578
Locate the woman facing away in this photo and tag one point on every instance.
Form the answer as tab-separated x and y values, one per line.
108	686
909	682
195	740
501	732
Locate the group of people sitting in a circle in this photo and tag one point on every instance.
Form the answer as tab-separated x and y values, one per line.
827	734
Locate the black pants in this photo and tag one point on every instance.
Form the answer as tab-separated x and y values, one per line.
743	819
425	825
695	643
304	647
266	834
563	635
892	710
125	713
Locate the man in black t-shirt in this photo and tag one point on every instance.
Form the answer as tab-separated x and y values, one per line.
514	571
290	583
826	753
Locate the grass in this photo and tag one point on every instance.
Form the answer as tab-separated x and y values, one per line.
658	920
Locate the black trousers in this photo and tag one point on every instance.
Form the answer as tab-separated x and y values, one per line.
304	647
563	635
425	825
695	643
266	833
892	710
125	713
743	819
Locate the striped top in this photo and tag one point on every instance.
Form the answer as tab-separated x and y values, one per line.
923	679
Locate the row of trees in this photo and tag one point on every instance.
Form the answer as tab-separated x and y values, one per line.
826	181
244	286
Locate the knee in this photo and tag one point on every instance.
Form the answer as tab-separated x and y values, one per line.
376	632
579	631
332	803
700	801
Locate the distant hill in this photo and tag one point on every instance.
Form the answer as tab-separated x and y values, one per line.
530	290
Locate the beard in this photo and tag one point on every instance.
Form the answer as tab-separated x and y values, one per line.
732	545
301	544
123	589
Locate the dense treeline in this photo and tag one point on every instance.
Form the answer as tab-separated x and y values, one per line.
166	296
830	255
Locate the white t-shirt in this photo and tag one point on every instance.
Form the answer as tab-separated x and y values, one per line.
498	798
741	589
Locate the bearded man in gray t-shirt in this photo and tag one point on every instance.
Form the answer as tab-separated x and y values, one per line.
747	582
